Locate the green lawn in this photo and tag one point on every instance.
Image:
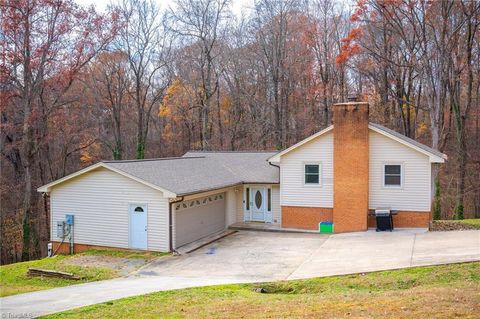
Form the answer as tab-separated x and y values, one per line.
445	291
148	255
452	224
475	222
14	279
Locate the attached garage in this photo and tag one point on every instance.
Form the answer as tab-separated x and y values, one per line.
198	218
154	204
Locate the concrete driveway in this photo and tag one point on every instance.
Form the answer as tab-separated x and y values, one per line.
249	256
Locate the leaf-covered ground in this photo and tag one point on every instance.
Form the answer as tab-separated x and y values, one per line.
464	224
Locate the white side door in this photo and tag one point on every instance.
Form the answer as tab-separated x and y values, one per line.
138	226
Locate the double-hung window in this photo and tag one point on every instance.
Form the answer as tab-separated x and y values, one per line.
392	175
312	174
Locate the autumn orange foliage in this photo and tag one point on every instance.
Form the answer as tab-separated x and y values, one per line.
349	47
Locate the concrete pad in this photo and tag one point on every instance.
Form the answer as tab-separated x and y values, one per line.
358	252
259	226
446	247
247	254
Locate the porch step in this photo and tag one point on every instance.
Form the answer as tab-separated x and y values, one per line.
270	228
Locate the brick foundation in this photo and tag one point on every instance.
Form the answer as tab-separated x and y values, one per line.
310	217
78	248
305	217
405	219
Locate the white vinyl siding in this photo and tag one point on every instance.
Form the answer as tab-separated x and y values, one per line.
100	201
414	193
276	211
293	191
240	204
230	207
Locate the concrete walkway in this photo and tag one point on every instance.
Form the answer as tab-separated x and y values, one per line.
248	256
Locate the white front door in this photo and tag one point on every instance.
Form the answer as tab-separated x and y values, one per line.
257	203
138	227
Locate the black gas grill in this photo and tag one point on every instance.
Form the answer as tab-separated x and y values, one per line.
384	219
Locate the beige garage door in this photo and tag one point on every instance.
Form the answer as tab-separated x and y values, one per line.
198	218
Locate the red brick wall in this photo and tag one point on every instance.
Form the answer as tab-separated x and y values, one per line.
407	219
305	217
350	166
310	217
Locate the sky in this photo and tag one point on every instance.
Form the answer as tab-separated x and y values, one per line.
237	5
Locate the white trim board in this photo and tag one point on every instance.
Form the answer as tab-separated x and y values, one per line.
276	158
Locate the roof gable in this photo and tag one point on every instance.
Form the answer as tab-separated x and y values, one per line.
276	158
433	155
47	188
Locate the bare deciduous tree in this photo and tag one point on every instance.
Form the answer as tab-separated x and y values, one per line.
147	45
200	24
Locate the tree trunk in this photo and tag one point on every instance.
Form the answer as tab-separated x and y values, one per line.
461	172
325	106
140	136
26	219
219	119
118	150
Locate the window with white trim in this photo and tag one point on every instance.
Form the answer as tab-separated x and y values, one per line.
392	175
312	174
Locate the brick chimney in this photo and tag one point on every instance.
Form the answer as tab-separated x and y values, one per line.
350	166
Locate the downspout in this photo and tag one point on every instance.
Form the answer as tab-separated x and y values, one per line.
170	223
274	165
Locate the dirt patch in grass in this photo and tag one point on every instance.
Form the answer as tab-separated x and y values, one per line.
147	255
14	278
123	266
449	225
92	265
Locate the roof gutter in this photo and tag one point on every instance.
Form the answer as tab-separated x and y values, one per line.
225	186
210	189
170	223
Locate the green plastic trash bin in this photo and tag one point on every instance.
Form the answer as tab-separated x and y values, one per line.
325	227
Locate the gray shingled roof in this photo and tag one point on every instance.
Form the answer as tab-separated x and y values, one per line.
199	171
202	171
408	140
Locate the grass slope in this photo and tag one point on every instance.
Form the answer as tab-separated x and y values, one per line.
475	222
424	292
147	255
14	279
463	224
